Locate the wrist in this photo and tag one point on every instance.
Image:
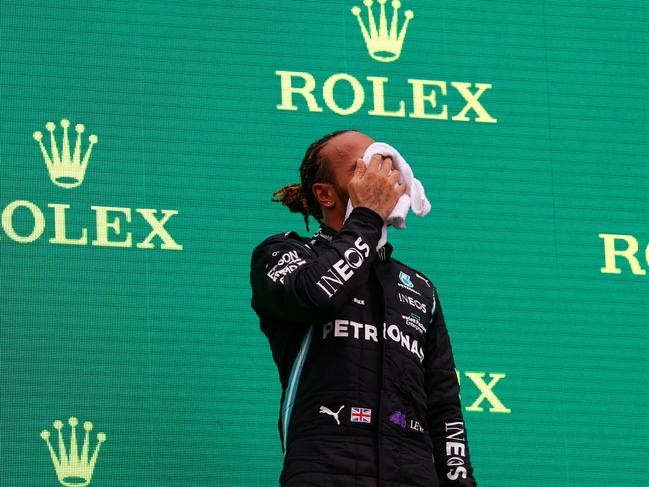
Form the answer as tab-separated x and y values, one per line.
369	215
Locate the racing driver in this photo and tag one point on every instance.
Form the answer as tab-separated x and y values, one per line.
370	395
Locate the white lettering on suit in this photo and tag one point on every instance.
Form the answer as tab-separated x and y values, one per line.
288	262
455	451
412	302
363	331
343	269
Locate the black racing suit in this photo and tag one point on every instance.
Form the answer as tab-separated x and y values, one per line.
370	395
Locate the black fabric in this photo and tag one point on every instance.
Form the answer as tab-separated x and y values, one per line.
379	343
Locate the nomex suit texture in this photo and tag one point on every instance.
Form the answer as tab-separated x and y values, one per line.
370	395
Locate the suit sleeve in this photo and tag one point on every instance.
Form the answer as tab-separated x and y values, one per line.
291	283
445	420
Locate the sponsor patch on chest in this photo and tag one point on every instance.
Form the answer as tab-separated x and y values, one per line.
412	302
364	331
413	320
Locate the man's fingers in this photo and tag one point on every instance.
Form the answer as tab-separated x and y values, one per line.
375	162
401	189
394	176
386	166
360	169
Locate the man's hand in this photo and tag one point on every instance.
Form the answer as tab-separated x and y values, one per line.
376	186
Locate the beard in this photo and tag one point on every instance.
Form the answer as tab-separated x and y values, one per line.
344	196
342	193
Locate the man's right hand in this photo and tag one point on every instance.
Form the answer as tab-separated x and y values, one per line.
376	186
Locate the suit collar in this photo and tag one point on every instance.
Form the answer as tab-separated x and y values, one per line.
325	235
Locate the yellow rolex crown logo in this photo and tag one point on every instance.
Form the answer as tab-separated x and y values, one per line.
382	44
65	170
72	470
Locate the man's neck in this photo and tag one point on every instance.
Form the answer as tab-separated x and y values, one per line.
333	219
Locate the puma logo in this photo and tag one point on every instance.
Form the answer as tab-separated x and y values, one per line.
326	410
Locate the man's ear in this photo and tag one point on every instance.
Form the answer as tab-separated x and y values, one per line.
325	194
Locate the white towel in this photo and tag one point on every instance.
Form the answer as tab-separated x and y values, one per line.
414	198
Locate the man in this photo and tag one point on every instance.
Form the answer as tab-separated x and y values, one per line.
369	391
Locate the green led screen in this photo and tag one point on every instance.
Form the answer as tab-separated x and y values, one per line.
125	300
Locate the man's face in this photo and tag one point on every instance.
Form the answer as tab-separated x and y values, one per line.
341	153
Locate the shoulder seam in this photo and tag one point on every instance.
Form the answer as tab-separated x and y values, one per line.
288	237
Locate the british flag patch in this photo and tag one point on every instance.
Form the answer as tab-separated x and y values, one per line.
361	415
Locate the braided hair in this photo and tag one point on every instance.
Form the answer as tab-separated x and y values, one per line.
299	198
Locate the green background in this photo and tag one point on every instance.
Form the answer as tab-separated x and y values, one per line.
160	349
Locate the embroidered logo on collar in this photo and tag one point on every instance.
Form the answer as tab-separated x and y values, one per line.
322	234
405	278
